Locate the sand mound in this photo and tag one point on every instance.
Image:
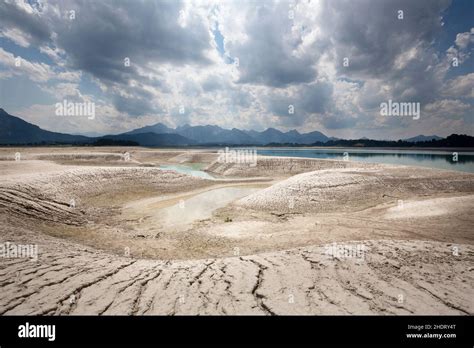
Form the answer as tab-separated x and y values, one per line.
339	190
104	157
280	166
63	197
430	207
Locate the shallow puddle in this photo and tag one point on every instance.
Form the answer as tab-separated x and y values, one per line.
201	206
187	170
187	210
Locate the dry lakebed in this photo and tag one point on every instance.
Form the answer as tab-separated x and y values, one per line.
173	232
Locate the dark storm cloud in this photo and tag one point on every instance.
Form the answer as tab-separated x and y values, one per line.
133	106
315	98
293	109
398	53
12	16
103	34
380	45
100	36
135	101
266	58
372	36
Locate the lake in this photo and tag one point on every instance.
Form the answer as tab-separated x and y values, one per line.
188	170
431	159
201	206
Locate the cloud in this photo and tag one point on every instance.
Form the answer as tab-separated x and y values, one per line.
15	35
288	53
23	21
38	72
266	51
465	39
133	106
143	32
460	87
316	97
459	51
447	107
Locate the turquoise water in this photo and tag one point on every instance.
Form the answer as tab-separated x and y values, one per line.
431	159
202	205
188	170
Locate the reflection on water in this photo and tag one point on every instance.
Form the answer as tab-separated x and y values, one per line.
188	170
201	206
432	159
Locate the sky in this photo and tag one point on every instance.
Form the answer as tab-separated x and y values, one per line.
307	65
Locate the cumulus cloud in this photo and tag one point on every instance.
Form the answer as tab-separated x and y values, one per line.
38	72
464	39
460	87
449	107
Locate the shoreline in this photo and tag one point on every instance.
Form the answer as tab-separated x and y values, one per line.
209	147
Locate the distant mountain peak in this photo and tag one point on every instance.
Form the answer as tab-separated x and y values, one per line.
272	130
184	126
422	137
293	132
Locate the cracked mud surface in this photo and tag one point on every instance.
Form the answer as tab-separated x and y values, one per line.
417	259
296	281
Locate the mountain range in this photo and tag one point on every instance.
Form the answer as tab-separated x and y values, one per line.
15	131
217	135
